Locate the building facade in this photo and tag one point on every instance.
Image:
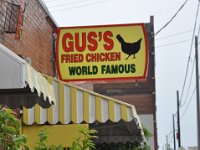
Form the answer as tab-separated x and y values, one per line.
35	35
27	29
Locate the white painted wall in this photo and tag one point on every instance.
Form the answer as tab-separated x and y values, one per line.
192	148
147	121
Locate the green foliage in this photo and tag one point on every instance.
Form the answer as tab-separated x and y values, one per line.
86	143
145	146
147	133
10	137
81	143
43	139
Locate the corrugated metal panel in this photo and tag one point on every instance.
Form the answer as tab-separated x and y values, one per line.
76	105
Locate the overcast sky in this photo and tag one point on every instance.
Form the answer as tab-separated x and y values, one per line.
171	59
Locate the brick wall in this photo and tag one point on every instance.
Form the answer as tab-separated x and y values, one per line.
36	40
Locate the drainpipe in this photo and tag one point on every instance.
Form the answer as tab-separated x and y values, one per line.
53	59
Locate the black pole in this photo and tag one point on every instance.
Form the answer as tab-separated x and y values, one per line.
174	133
197	91
178	121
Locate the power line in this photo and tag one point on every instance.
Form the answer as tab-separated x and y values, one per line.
171	18
181	105
188	103
187	67
69	3
175	34
47	1
174	43
198	32
90	4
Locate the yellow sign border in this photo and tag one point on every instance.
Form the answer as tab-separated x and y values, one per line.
141	77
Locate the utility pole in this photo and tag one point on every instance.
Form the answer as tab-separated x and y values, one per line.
174	133
197	91
178	121
167	145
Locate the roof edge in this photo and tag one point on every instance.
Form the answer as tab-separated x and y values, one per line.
44	6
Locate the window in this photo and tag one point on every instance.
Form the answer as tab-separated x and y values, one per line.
11	17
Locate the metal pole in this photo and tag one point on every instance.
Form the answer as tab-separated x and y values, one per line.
174	133
197	91
178	121
167	147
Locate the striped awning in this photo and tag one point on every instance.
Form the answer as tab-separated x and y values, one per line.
77	105
21	84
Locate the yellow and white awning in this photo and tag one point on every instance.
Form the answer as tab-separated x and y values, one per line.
77	105
21	84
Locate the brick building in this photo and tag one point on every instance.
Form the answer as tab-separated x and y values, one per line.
35	33
27	29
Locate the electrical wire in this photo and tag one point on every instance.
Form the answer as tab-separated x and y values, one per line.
188	103
156	39
47	1
189	58
191	77
188	68
175	34
174	43
90	4
69	3
171	18
198	32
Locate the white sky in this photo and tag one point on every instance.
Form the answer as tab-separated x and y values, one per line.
170	60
